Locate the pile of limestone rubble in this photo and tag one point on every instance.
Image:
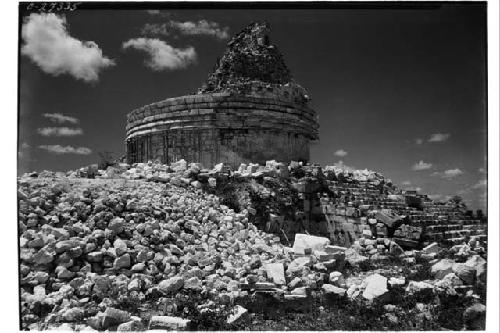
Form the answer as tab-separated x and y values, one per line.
92	241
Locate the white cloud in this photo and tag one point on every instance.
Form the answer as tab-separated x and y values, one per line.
161	55
155	29
201	27
439	137
419	141
58	149
481	170
48	44
452	173
59	131
421	165
24	145
406	183
340	152
480	184
60	118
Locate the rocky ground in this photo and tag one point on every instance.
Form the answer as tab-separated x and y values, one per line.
151	246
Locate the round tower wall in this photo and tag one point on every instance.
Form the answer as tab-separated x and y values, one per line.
265	123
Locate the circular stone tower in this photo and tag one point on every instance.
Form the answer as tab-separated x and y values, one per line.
249	110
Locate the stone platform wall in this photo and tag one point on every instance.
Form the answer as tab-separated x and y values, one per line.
221	127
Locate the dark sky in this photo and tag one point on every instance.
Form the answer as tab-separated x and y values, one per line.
379	80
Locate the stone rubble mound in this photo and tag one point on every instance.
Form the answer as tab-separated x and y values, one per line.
95	244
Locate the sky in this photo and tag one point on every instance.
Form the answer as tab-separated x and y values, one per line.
399	90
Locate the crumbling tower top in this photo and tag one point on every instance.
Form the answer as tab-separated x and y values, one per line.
249	57
250	110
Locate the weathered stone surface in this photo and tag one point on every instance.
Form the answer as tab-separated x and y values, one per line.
431	248
251	85
394	281
466	273
314	243
418	286
276	272
376	286
122	261
114	316
333	291
475	317
237	313
171	232
479	264
442	268
171	285
168	323
354	258
337	279
298	265
131	326
193	283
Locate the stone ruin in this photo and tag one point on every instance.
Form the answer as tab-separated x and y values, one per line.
249	110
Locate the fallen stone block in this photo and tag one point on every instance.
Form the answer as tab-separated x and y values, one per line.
442	268
276	272
333	249
376	286
114	317
431	248
237	313
171	285
315	243
332	291
466	273
168	323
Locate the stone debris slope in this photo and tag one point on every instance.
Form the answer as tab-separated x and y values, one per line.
119	248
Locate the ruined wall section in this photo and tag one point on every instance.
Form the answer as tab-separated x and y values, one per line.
265	123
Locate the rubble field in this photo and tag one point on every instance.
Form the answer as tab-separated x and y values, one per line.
277	247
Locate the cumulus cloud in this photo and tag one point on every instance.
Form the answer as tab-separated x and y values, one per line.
48	44
60	118
161	55
481	170
480	184
59	150
438	137
340	152
406	183
421	165
156	29
452	173
419	141
153	11
201	27
59	131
